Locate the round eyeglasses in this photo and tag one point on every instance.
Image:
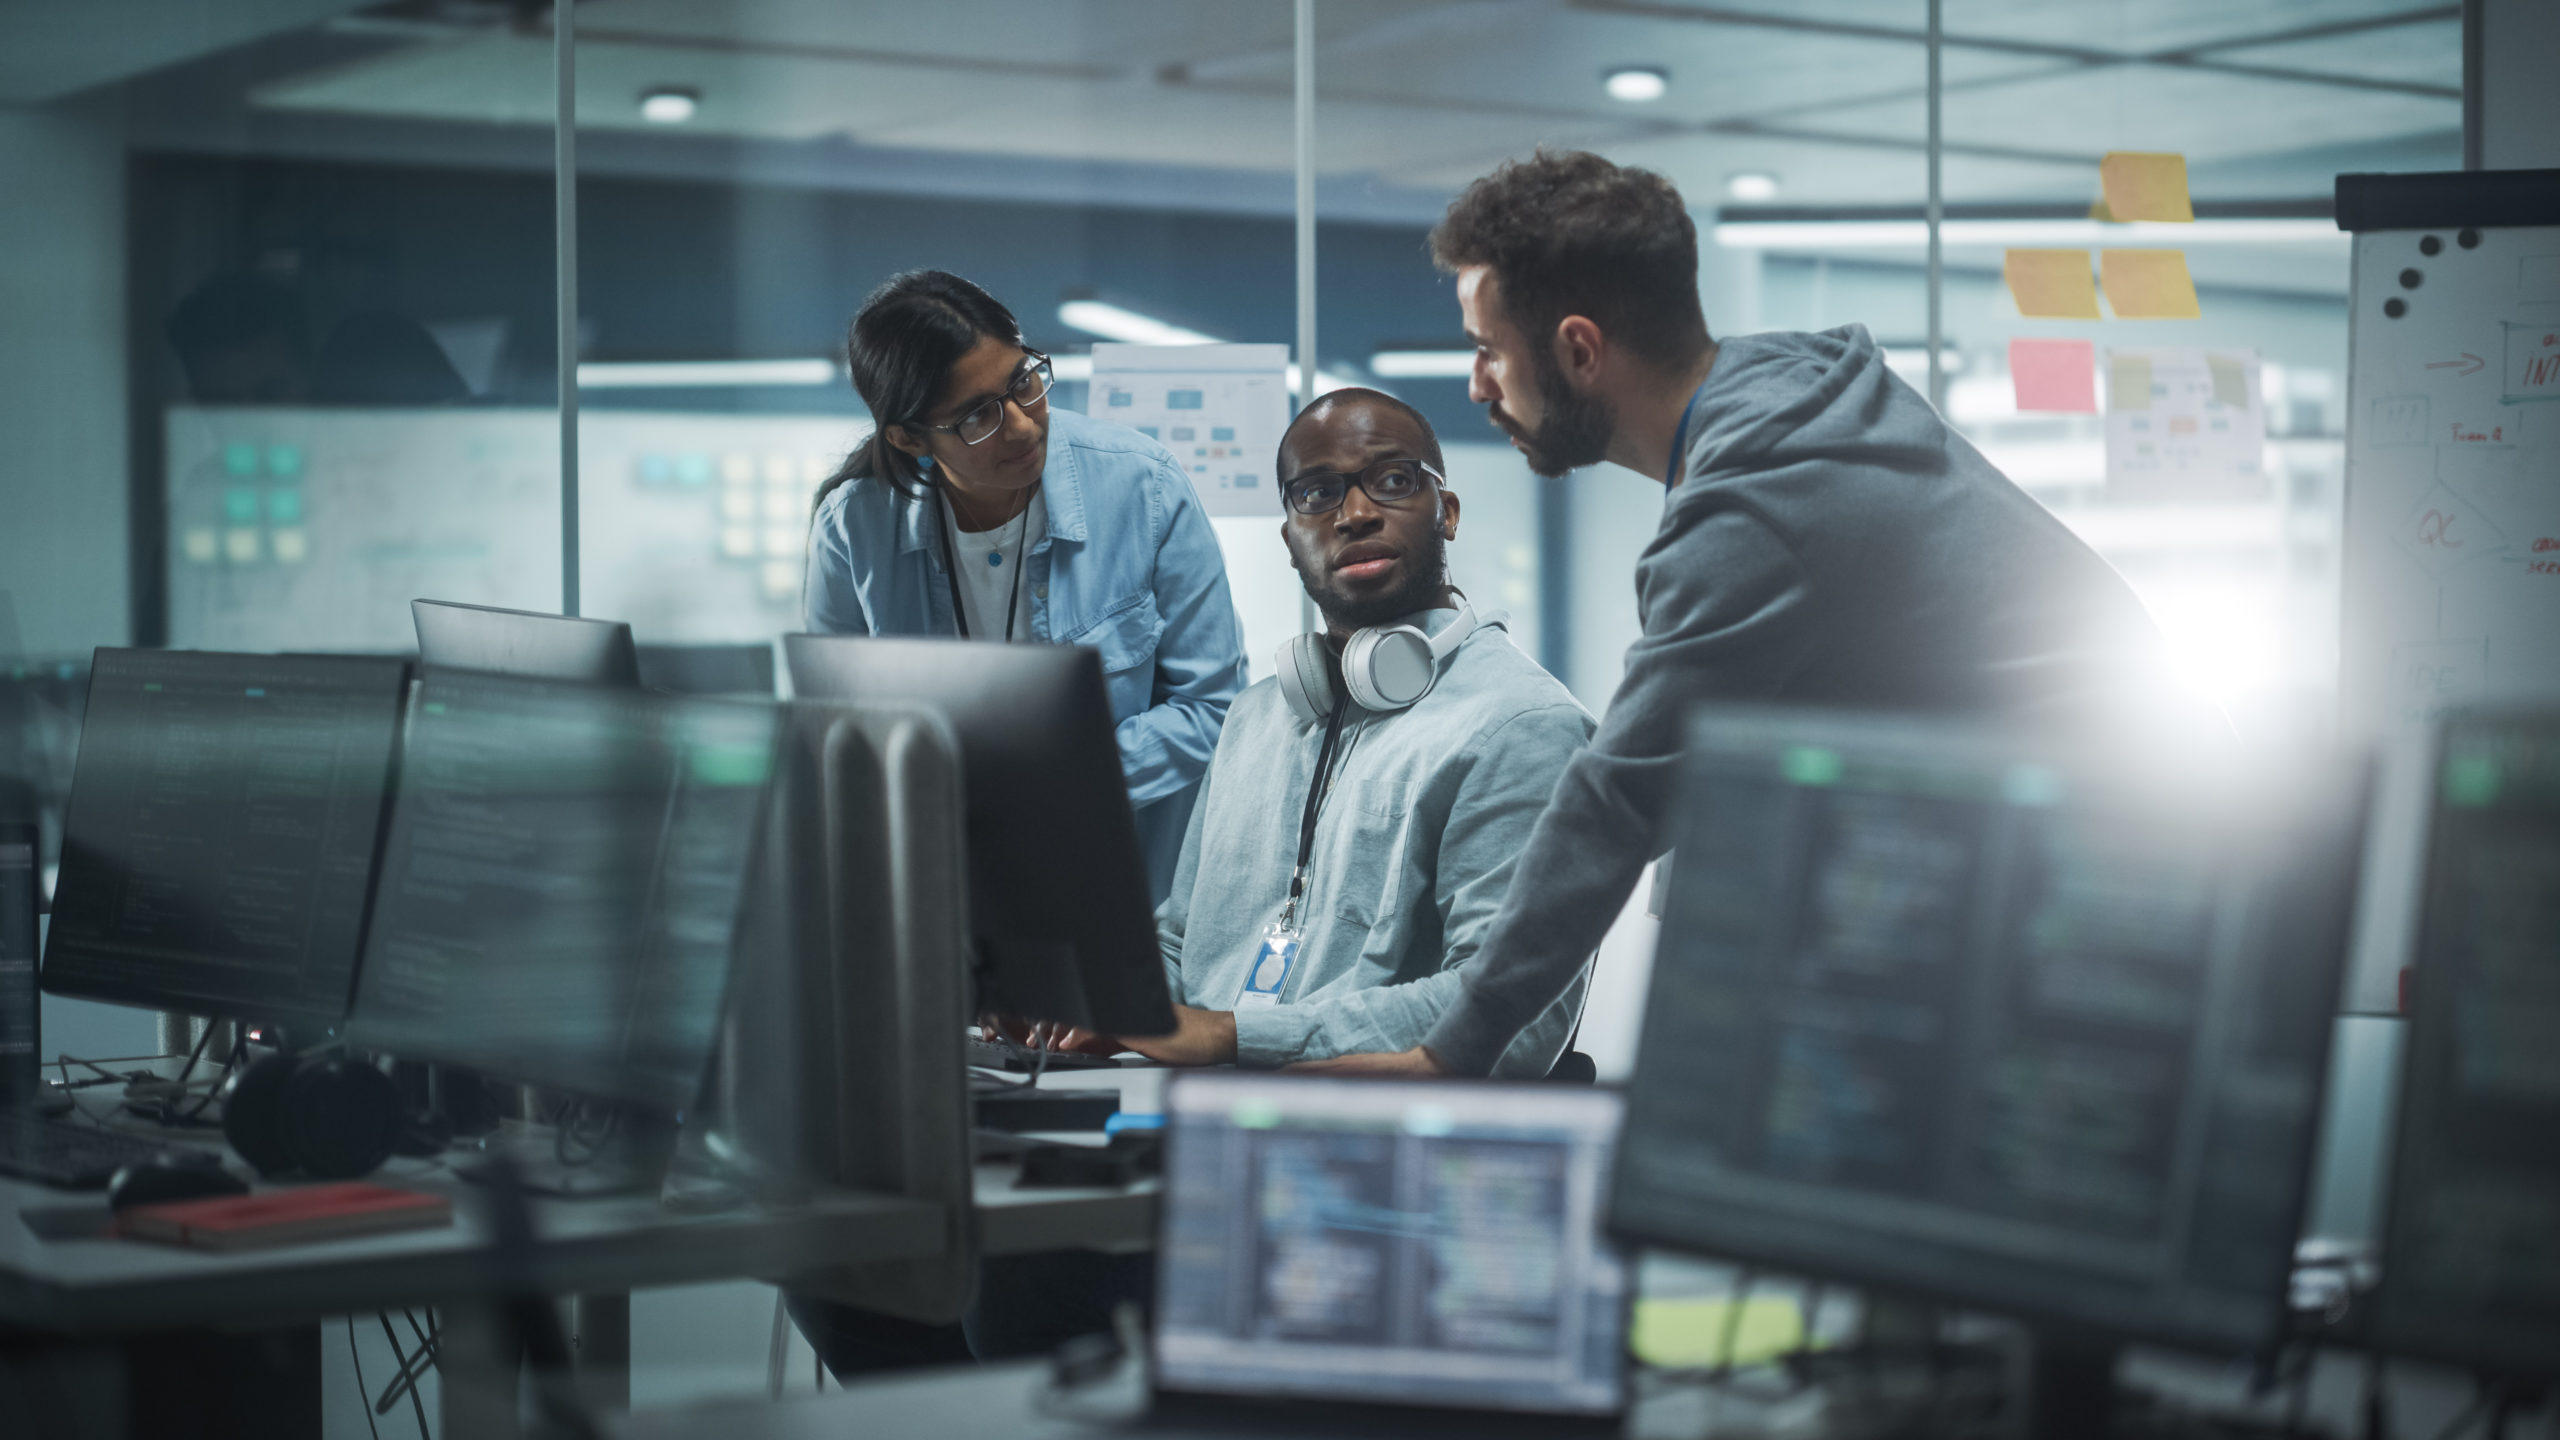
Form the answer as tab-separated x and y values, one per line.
1389	482
1030	386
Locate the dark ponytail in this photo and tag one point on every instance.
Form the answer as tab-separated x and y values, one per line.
904	341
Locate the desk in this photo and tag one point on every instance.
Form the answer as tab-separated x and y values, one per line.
1015	1221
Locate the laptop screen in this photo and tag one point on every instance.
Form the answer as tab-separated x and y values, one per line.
1422	1243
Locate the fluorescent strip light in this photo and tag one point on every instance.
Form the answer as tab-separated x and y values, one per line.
1914	234
1095	317
1423	364
703	374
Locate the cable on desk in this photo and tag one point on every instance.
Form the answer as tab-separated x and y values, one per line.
407	1376
357	1360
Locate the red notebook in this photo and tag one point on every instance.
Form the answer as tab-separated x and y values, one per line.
286	1217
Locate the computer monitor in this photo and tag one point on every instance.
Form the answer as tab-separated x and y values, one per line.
219	845
2005	1021
1390	1241
525	643
21	1012
1057	884
708	669
2471	1245
40	703
562	884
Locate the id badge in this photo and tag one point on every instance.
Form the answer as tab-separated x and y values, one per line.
1270	971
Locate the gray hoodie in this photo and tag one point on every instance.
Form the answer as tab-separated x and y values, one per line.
1831	543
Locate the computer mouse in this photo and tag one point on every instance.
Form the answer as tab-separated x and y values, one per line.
156	1182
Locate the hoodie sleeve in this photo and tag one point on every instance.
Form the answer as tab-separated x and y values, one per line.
1726	605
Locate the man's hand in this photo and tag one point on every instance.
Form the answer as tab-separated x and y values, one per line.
1035	1035
1413	1064
1200	1037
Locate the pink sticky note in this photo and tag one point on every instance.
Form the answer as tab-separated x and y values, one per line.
2055	374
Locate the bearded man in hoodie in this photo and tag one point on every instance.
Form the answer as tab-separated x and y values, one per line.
1826	541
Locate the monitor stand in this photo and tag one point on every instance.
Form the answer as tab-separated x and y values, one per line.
2070	1384
632	1159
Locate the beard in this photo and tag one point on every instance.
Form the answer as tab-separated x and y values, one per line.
1575	431
1426	571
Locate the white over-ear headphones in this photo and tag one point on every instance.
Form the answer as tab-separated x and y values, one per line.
1385	667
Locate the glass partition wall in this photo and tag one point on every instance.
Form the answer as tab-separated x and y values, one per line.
283	329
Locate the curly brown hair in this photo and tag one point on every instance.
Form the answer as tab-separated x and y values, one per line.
1569	233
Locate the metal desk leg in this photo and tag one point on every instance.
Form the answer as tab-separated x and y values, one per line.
604	1350
479	1368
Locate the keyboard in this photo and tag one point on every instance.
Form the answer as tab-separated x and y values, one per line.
69	1157
990	1055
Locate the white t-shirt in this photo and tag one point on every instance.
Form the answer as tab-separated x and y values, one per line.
986	562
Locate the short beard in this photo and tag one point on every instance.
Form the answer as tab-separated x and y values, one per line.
1576	429
1426	574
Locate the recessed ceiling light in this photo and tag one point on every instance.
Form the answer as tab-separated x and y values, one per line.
1636	84
669	104
1752	186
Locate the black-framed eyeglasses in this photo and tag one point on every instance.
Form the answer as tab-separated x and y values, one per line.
1030	386
1389	482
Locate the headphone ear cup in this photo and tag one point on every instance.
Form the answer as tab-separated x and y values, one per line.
1389	668
252	1112
1305	681
341	1118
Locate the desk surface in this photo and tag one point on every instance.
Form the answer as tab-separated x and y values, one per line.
612	1243
607	1244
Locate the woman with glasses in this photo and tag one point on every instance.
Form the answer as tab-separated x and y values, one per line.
976	510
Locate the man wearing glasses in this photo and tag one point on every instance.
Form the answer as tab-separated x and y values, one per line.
1353	838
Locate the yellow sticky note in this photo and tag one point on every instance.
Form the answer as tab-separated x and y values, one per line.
2051	284
2145	186
2148	284
2128	380
1691	1333
2230	379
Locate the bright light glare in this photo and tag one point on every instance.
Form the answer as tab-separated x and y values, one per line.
1752	186
1423	364
2224	640
1095	317
670	105
1636	84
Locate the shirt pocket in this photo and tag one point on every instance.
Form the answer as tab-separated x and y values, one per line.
1127	637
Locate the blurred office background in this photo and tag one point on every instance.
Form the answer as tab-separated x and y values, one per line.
278	334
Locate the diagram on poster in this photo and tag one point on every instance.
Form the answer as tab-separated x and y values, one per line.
1219	408
2196	430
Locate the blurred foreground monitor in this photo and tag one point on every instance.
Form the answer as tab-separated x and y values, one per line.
2471	1249
1994	1020
562	884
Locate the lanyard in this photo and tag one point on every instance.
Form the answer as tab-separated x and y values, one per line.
1317	788
951	569
1671	474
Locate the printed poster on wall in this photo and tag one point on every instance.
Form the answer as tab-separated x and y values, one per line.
1219	408
2185	424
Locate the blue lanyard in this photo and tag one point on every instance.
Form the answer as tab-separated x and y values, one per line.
1680	439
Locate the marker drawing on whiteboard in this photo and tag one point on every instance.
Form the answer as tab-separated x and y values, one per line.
2398	420
2469	364
2533	363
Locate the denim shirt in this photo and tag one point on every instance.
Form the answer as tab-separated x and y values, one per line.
1415	846
1129	566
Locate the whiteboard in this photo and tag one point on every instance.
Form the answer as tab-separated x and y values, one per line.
2451	560
302	529
2452	556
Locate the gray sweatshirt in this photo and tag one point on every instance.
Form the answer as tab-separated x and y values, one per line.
1414	847
1831	543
